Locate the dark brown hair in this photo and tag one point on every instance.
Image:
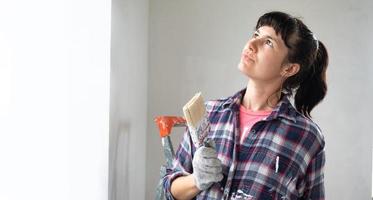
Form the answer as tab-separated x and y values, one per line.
309	84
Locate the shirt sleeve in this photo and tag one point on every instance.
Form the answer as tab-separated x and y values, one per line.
181	165
314	188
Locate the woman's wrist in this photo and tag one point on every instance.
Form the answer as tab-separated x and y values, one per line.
184	187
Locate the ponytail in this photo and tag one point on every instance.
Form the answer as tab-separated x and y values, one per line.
312	89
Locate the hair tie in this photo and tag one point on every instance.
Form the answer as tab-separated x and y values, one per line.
317	41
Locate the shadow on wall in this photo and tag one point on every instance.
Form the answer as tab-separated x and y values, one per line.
120	163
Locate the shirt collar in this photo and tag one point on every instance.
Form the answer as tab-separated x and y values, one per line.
283	109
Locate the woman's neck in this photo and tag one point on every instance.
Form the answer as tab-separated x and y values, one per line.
260	97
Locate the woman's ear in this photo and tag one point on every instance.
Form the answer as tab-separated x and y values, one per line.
290	69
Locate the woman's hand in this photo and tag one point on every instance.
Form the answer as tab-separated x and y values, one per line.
207	167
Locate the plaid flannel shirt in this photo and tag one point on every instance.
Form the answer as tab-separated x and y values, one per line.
282	158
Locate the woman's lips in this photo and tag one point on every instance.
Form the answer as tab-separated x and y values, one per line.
247	57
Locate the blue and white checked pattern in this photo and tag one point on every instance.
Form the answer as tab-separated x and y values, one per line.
282	158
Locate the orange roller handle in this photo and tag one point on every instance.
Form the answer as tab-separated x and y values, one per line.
165	124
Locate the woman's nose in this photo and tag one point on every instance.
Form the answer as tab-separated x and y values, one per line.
252	46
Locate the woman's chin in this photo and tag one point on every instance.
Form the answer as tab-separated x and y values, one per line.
243	67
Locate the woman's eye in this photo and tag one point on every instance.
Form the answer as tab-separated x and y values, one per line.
269	43
255	35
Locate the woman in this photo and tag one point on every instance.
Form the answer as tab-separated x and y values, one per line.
263	147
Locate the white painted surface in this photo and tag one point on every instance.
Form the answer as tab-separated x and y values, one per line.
54	108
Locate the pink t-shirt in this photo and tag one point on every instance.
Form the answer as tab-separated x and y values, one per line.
248	118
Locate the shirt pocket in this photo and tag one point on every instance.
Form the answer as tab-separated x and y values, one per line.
273	177
282	177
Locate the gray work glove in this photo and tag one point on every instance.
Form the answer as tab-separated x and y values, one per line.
207	168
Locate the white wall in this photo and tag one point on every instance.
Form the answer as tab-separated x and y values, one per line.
54	107
128	99
196	45
88	30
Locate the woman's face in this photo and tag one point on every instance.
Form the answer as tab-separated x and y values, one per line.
263	55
